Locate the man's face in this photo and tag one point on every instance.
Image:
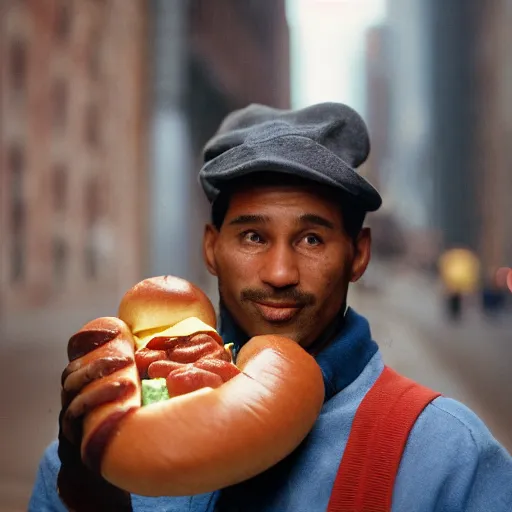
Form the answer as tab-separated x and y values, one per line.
284	261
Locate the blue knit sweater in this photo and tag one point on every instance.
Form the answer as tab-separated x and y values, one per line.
451	462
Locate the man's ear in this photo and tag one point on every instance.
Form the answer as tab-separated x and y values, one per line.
209	240
362	254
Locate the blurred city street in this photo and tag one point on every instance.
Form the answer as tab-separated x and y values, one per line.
30	367
105	110
468	360
406	318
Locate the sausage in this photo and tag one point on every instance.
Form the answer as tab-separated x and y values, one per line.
212	438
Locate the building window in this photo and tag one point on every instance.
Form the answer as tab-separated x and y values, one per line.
16	165
59	188
17	214
17	65
59	103
92	126
17	260
60	260
99	244
63	21
92	201
94	54
91	260
92	215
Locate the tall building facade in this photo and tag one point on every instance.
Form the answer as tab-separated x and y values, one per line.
493	152
104	108
400	118
450	82
238	53
453	94
72	150
87	90
378	102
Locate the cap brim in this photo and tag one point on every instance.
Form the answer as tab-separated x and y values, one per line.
295	155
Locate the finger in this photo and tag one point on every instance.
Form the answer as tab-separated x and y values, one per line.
204	338
160	369
186	380
144	357
191	352
69	442
163	343
84	342
223	369
75	381
92	397
116	348
66	398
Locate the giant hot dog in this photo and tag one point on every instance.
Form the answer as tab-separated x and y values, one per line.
211	432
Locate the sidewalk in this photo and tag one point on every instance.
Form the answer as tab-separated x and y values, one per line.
32	358
400	283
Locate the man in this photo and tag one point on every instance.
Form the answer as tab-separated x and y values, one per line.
286	240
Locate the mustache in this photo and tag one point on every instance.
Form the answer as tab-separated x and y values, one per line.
293	295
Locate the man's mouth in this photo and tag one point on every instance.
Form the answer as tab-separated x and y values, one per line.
277	312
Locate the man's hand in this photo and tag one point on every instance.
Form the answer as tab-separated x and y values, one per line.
94	354
77	398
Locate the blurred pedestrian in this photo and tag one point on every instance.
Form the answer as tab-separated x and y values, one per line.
285	241
459	269
495	294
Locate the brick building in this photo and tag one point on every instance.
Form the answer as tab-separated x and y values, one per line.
493	152
449	126
71	150
471	127
378	101
104	107
79	95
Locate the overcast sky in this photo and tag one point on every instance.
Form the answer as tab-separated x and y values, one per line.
327	38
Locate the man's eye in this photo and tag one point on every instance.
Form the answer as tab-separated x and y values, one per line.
312	239
252	237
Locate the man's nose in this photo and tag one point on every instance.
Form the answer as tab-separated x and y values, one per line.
280	268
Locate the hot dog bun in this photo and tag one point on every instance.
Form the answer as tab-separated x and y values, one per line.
209	438
157	303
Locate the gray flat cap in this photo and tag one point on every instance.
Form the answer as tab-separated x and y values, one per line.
325	143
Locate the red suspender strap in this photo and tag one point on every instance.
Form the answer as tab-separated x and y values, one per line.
366	476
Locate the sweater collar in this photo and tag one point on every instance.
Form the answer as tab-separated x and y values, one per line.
341	361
